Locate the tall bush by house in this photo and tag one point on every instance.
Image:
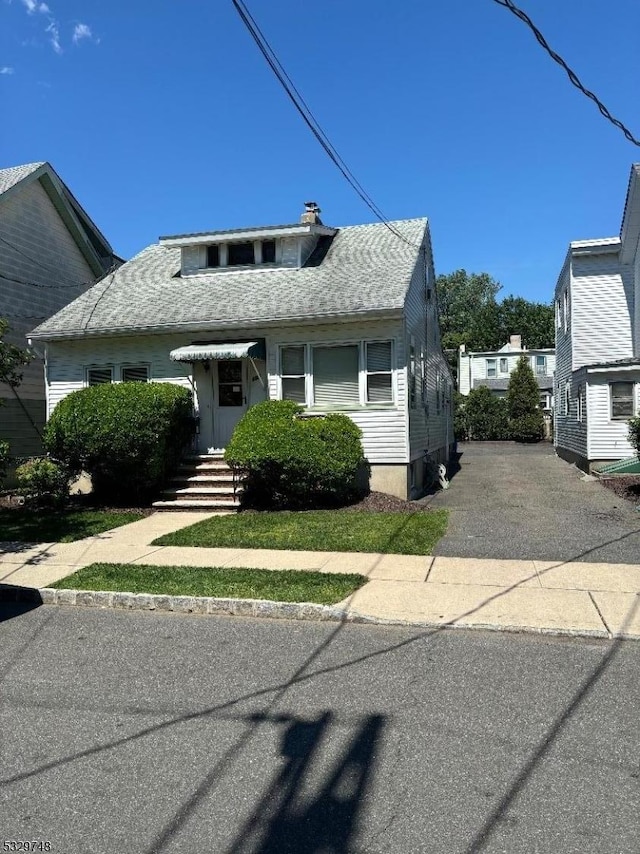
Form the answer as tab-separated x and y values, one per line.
460	426
526	422
634	434
485	416
4	458
128	436
297	462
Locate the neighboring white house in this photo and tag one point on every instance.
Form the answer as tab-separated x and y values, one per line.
337	319
50	252
493	369
597	308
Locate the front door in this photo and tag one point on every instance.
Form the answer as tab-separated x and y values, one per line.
230	399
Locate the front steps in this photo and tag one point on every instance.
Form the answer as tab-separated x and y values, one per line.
203	482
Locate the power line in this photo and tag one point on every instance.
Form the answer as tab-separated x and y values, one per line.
18	281
310	120
38	263
573	77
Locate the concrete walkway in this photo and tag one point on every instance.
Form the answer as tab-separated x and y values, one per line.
550	596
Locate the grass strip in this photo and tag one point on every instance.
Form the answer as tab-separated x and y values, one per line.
61	526
293	585
321	530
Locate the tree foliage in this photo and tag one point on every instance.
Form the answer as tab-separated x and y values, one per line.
12	358
526	422
481	416
470	314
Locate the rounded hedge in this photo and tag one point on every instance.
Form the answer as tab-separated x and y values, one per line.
42	479
295	461
128	436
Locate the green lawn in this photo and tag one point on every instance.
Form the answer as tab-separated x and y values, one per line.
323	530
50	526
277	585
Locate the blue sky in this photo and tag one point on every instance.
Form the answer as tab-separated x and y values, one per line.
163	118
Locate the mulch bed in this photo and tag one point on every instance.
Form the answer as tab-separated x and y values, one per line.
379	502
625	486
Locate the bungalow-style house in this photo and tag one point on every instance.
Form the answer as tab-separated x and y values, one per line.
493	369
597	306
50	253
336	319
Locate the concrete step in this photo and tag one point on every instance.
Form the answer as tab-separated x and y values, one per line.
199	490
212	478
219	466
198	504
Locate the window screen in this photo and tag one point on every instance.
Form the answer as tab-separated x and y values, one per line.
491	368
268	251
99	376
213	256
240	254
335	376
292	373
621	400
379	382
135	374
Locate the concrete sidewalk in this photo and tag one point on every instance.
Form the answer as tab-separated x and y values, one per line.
574	598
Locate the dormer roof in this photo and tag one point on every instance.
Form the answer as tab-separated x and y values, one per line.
260	232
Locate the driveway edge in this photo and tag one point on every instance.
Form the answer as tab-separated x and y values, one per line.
309	611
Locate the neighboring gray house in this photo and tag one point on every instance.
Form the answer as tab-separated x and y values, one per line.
337	319
50	252
493	369
597	304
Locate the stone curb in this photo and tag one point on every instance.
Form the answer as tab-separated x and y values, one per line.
264	608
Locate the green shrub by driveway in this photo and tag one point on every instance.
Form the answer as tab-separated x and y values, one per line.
323	588
128	436
321	530
291	461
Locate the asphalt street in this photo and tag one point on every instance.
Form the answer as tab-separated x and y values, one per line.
143	732
521	502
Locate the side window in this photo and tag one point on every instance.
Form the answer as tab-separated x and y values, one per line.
135	374
622	404
100	376
504	366
492	370
412	373
293	374
378	372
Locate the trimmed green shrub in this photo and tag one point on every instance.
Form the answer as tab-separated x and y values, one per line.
128	436
485	416
526	421
460	426
297	462
43	480
634	434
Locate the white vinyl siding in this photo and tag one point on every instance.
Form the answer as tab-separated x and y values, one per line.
336	376
608	437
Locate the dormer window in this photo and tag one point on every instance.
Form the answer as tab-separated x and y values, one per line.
268	251
240	254
213	255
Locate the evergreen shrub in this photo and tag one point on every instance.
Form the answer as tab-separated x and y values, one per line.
128	436
526	421
289	461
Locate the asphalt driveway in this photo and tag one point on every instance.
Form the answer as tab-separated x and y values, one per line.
523	502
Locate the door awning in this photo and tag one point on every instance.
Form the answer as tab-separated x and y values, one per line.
226	350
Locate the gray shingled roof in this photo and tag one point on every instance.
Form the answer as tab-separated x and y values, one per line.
14	174
366	268
502	383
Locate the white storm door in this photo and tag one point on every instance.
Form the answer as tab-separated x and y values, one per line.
203	379
230	399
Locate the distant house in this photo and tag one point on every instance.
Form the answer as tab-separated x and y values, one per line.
336	319
597	306
50	252
493	369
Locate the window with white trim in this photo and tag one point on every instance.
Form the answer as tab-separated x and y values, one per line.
379	377
566	309
292	374
492	370
541	366
336	375
412	373
558	317
580	403
100	375
567	398
622	400
135	373
504	366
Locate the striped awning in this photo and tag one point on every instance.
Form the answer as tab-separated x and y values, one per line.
225	350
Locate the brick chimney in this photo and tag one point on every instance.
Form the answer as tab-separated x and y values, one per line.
515	342
311	215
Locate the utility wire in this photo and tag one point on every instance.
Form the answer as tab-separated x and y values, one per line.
43	287
573	77
33	260
310	120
